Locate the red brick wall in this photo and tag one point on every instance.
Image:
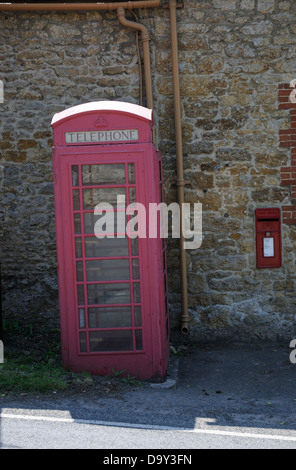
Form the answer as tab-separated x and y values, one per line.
288	139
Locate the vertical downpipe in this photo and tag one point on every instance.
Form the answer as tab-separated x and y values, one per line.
179	156
146	52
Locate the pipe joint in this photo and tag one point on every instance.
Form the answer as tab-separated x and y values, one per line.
145	36
182	182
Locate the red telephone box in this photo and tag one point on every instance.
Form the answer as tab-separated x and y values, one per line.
112	281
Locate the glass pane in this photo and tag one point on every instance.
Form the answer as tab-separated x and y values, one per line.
137	295
138	316
79	270
103	174
131	173
89	222
80	294
136	272
113	196
107	270
83	345
104	247
132	195
135	250
139	343
75	177
114	222
78	247
76	200
81	318
109	293
109	317
111	340
77	223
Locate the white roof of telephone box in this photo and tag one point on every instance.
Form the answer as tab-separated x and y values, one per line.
97	106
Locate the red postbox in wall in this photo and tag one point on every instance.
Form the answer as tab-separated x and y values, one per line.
268	238
112	276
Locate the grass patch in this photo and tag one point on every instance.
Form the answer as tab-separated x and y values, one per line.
21	374
32	365
32	362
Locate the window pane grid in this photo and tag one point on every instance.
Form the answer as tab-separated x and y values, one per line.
131	336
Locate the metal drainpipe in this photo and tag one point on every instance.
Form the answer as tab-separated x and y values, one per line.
78	6
146	53
179	156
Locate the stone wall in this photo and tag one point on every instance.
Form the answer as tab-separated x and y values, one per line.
233	54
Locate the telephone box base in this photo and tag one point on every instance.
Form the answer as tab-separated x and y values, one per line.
120	366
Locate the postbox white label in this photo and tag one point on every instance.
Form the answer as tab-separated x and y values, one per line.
88	137
268	247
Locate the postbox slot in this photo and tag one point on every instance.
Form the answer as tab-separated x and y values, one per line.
268	220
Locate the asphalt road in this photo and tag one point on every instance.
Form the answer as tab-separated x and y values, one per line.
23	430
214	398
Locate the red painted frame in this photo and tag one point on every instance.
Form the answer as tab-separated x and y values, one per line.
152	360
268	220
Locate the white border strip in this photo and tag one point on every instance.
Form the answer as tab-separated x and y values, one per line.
148	427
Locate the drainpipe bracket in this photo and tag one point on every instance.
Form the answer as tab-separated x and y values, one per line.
185	317
178	5
181	182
